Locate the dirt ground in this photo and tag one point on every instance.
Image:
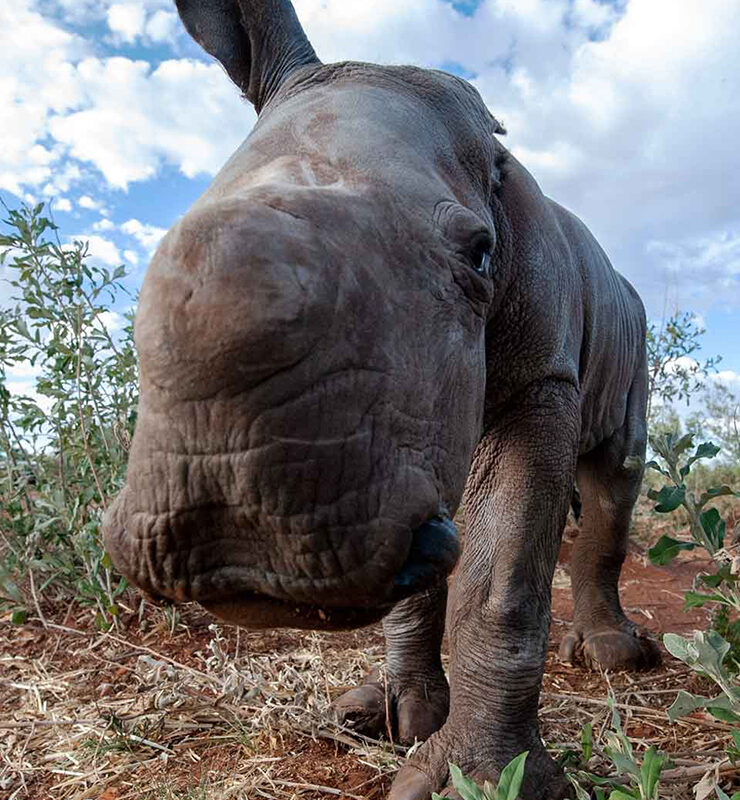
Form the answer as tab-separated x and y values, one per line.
182	709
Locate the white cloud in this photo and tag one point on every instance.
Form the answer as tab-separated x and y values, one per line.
136	119
103	225
132	257
112	320
36	80
101	249
126	118
148	236
162	26
23	369
637	133
127	20
62	204
81	12
728	378
85	201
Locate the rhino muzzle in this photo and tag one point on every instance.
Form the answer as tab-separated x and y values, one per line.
160	555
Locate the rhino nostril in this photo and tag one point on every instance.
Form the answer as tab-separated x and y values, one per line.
435	548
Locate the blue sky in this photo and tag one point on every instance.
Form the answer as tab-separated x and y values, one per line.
626	111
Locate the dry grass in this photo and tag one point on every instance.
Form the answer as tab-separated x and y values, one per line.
176	708
88	711
218	713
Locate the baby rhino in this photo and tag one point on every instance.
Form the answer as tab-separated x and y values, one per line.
372	311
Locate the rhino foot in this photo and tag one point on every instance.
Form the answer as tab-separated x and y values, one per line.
628	648
410	713
428	771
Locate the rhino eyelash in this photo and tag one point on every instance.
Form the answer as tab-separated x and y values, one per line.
480	254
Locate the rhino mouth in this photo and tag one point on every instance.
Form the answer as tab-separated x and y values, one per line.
231	586
434	552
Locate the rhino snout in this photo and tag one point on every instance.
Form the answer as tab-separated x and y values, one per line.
233	295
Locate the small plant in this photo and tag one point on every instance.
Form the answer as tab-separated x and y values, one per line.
706	527
707	652
634	780
507	787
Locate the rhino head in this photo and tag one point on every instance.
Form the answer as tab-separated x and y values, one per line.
311	337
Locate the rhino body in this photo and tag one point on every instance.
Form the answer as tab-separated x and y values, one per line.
371	314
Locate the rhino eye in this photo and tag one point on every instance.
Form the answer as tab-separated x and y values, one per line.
481	250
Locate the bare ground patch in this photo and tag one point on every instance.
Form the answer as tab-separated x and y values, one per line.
198	710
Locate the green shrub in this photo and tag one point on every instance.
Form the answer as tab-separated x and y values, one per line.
63	448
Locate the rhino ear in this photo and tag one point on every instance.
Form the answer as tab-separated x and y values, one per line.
259	42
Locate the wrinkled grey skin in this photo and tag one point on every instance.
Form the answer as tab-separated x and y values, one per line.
372	309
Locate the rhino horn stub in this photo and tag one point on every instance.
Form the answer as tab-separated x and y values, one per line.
258	42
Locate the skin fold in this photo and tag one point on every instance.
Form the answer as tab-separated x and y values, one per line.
372	315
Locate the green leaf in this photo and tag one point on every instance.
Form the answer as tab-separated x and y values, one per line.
720	794
713	581
666	549
706	653
679	647
102	624
652	766
682	445
623	763
19	616
9	588
684	704
716	491
706	450
713	526
654	465
581	793
697	599
511	778
669	498
587	741
465	787
624	794
723	714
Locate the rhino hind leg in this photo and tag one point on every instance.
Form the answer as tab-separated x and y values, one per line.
413	700
609	482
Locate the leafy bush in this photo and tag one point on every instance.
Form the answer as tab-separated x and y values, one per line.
63	447
708	652
674	373
719	419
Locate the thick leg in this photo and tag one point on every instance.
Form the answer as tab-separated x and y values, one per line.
418	694
609	480
518	494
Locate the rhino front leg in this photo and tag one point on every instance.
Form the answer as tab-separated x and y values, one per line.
517	499
415	694
609	480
